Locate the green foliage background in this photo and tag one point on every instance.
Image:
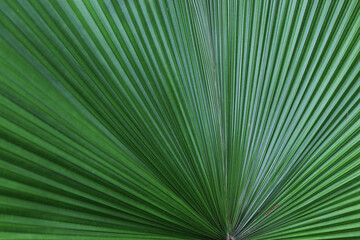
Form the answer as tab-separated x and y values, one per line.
179	119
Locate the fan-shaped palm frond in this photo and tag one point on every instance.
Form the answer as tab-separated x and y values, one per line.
179	119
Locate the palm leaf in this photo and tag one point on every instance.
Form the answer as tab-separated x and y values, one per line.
174	119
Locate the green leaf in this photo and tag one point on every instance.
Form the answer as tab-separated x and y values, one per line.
179	119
